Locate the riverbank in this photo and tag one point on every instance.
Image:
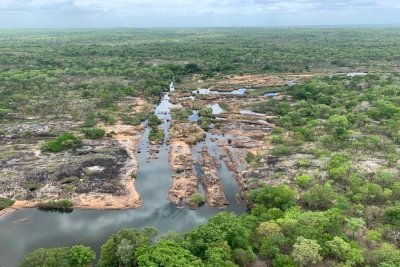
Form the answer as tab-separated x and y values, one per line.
100	178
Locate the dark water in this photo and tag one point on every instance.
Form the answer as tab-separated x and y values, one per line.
93	227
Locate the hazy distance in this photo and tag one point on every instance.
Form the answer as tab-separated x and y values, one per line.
195	13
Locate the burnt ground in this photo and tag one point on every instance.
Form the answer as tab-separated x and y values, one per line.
32	175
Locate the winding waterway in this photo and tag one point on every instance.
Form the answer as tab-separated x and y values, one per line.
93	227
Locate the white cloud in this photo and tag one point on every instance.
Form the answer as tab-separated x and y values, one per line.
257	10
185	7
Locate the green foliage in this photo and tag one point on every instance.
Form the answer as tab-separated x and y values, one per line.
60	204
343	250
42	257
77	256
80	256
5	203
282	260
107	117
220	228
250	157
90	121
153	120
181	114
225	106
205	112
303	180
62	142
156	134
306	251
205	126
392	215
354	225
198	199
320	197
281	150
192	68
165	254
280	196
339	166
121	247
94	133
357	118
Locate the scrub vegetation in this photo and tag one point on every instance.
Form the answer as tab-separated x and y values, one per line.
331	193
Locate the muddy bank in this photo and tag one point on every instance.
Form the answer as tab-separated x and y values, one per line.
185	180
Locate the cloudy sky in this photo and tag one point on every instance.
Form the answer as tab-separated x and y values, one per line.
194	13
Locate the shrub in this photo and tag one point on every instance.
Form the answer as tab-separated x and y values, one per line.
90	121
94	133
181	114
205	126
6	202
303	180
61	204
250	157
303	163
198	199
62	142
280	150
133	175
156	134
153	120
206	112
52	146
107	117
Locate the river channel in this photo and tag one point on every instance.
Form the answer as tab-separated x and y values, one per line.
93	227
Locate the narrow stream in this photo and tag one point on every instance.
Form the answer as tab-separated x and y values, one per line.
93	227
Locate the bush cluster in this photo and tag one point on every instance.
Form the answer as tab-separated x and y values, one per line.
64	141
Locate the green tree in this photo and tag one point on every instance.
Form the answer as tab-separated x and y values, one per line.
51	257
121	246
80	256
306	251
282	260
354	225
343	250
220	255
320	197
392	215
165	254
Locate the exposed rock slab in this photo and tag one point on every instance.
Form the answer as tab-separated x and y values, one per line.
185	183
100	178
214	194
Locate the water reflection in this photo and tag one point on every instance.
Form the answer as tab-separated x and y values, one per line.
93	228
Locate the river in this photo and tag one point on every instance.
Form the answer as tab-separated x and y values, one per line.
93	227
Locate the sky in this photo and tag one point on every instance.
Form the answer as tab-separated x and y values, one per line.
195	13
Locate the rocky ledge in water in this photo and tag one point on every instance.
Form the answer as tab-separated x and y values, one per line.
95	178
185	181
214	194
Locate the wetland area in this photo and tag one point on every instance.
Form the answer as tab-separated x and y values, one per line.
168	174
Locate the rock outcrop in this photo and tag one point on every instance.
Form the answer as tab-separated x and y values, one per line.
185	182
214	194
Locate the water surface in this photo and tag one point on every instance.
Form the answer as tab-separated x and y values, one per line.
93	227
